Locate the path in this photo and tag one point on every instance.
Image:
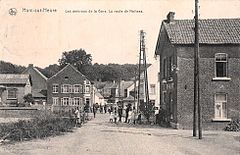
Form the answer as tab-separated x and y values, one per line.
99	137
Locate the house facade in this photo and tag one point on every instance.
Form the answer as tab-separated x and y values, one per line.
219	63
13	88
88	92
97	97
39	84
66	88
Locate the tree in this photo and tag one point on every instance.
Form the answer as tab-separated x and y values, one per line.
78	58
9	68
28	98
50	70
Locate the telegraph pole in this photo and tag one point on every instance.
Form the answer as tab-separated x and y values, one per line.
143	67
197	105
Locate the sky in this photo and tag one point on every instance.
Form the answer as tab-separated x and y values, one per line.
39	38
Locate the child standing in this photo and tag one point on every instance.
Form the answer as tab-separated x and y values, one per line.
115	115
111	117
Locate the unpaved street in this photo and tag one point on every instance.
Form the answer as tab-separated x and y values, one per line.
103	138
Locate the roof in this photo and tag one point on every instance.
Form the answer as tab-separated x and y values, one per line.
14	78
126	84
37	94
69	65
40	73
36	70
211	31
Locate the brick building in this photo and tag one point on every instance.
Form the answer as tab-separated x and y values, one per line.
219	70
65	88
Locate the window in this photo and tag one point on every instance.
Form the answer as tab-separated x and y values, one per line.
164	68
55	100
66	88
65	101
87	101
12	93
221	64
76	101
77	88
87	89
55	88
170	64
220	106
152	89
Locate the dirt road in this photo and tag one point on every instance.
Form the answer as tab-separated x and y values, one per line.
103	138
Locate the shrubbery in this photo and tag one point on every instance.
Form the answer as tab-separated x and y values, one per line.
44	125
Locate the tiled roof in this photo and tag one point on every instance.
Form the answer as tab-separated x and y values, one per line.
66	67
37	94
14	78
126	84
212	31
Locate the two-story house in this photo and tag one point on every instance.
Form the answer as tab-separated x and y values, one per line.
218	70
65	88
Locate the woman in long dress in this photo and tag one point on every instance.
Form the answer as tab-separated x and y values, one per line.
130	115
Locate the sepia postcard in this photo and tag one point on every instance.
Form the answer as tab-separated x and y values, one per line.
120	77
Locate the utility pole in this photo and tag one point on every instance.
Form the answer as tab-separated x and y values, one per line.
143	67
197	105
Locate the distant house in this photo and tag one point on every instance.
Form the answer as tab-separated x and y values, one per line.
39	84
109	90
88	92
219	70
97	97
13	87
65	88
153	87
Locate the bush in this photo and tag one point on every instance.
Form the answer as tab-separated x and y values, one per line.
233	126
44	125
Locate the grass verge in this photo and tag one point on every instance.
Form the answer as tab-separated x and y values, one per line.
44	125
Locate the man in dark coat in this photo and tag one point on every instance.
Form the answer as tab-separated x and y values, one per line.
120	113
127	111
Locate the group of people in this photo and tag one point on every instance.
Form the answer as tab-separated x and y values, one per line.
117	113
75	116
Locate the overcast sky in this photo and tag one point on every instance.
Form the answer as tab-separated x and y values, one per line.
40	38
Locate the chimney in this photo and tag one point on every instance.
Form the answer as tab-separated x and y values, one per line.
30	65
170	17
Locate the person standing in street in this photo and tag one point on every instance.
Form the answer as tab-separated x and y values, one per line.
77	114
94	110
130	113
120	113
105	108
127	111
115	115
134	114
